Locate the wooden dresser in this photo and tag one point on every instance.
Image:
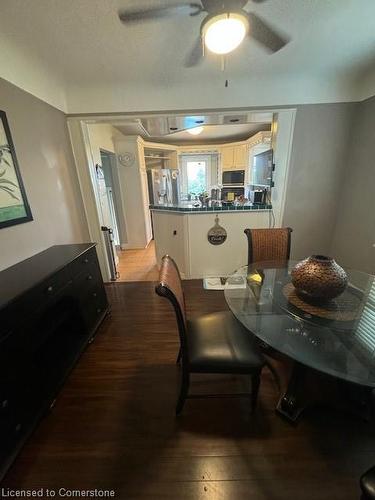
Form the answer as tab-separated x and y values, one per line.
50	307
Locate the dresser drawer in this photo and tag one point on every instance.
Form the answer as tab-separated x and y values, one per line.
86	280
39	297
87	260
14	341
93	307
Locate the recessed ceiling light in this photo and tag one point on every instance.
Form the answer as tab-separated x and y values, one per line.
225	32
195	130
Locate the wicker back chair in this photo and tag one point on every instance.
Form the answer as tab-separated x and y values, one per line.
268	244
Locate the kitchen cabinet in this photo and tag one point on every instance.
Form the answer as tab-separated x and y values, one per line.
234	157
227	157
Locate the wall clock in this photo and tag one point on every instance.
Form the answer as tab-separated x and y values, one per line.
126	159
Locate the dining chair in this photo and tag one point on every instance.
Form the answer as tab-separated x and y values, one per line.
367	483
268	244
215	343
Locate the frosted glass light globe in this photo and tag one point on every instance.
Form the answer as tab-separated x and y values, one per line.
224	33
195	130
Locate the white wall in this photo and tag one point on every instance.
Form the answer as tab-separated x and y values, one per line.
46	162
354	235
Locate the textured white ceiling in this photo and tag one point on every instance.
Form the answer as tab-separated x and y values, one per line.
102	64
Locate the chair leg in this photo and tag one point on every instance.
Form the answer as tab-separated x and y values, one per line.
179	356
184	389
255	383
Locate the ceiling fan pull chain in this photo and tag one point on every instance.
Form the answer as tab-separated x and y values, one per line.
223	63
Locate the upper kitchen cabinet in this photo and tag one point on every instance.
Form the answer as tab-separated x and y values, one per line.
234	157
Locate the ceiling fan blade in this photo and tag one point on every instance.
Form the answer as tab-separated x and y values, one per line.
212	6
262	32
195	55
139	15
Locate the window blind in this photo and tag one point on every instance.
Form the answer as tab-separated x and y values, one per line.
366	327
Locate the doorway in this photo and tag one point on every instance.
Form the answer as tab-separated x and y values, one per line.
131	264
111	203
126	137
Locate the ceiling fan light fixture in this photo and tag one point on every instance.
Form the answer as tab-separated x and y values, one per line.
223	33
195	130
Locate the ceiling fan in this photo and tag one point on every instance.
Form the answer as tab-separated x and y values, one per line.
222	30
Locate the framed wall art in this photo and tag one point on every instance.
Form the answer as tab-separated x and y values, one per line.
14	207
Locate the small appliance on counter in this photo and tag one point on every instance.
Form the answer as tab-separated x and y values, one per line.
215	196
257	196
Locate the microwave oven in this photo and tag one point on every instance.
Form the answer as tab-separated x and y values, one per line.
234	178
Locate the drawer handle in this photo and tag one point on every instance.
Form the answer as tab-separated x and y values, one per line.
89	277
50	289
4	404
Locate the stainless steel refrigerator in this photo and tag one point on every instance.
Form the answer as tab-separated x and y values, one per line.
163	186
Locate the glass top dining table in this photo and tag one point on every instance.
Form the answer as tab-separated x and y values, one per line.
336	338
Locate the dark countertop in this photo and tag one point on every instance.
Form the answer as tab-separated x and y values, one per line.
188	208
18	279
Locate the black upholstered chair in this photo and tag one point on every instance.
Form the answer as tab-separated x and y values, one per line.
367	483
214	343
268	244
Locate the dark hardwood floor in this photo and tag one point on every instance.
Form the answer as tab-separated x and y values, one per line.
114	427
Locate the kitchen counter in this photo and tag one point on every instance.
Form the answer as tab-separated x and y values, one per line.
181	232
188	208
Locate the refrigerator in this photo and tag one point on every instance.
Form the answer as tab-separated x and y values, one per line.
163	186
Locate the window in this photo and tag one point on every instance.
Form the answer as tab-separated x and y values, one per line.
199	172
196	173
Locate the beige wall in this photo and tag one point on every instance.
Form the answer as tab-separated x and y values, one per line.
354	235
45	157
317	169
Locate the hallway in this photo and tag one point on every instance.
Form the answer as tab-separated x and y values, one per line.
138	265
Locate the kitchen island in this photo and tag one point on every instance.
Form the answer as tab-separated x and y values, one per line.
181	231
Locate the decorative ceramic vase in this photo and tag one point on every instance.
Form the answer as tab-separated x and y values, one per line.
319	278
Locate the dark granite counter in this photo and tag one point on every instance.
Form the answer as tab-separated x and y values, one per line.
189	208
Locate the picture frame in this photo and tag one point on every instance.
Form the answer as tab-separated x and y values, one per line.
14	206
